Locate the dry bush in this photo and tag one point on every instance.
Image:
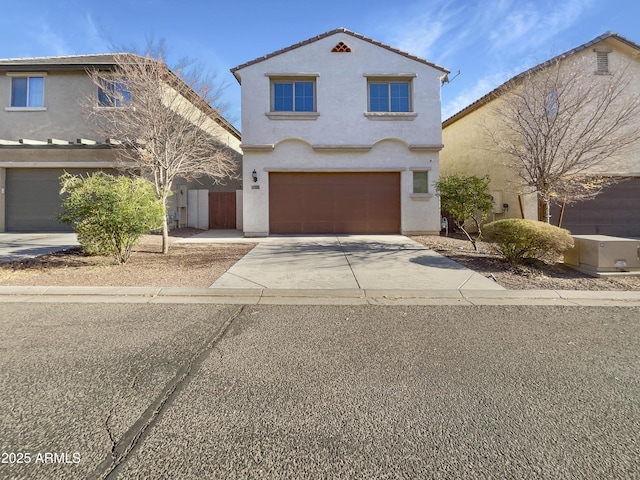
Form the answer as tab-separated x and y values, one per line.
519	239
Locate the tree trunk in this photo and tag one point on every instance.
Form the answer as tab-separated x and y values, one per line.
471	239
544	215
165	236
165	227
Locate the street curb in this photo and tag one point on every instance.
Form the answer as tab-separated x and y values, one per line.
258	296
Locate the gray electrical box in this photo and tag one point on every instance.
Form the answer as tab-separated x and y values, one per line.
602	254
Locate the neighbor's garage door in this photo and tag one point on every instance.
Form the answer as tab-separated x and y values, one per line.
334	202
33	199
615	212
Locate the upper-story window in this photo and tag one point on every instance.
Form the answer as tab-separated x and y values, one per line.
553	104
289	95
114	94
389	95
27	91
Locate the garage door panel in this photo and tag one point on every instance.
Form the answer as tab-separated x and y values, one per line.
33	199
334	202
616	212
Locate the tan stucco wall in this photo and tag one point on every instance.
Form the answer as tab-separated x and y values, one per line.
64	119
67	96
56	157
468	150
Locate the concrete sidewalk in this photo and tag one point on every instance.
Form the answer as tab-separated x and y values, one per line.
325	270
266	296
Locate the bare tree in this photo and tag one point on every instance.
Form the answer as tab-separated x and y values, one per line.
162	122
560	123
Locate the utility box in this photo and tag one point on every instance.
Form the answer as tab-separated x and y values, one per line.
604	255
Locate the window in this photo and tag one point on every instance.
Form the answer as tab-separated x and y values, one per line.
293	96
27	92
389	96
421	181
114	94
553	103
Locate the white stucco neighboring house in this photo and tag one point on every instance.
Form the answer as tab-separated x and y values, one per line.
341	134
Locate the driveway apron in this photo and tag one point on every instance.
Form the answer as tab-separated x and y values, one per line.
20	246
380	262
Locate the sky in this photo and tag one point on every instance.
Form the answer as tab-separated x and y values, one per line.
487	41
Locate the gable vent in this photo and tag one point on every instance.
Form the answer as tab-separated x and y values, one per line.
341	48
602	62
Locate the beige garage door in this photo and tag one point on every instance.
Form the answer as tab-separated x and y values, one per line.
33	199
334	202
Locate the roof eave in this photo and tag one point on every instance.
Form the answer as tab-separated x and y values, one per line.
328	34
498	90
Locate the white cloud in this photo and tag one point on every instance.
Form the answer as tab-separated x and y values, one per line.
51	41
490	41
532	24
422	27
479	89
94	38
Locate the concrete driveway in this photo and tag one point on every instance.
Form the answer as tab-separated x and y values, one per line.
19	246
380	262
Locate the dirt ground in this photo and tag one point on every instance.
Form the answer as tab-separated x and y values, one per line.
191	265
532	276
199	265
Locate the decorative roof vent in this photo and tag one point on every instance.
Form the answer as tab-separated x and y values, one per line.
341	48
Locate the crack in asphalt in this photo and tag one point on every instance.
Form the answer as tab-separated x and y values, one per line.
112	438
121	450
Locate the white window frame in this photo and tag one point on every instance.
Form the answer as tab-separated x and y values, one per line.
389	78
292	78
27	75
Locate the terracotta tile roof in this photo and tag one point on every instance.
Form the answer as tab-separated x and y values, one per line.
498	90
328	34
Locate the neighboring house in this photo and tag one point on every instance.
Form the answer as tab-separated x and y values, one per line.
44	132
341	134
616	211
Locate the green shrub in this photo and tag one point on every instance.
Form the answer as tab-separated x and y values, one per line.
518	239
466	197
109	213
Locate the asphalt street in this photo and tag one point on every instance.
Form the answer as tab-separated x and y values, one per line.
264	391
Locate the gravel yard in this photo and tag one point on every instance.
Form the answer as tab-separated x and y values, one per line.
533	276
199	265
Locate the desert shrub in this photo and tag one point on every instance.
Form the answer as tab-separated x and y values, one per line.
109	213
517	239
466	197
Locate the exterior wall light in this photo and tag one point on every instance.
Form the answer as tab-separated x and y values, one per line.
254	175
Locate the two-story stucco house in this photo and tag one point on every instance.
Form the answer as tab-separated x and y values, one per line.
341	134
44	131
615	211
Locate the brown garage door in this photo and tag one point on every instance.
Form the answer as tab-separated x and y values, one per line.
615	212
334	202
